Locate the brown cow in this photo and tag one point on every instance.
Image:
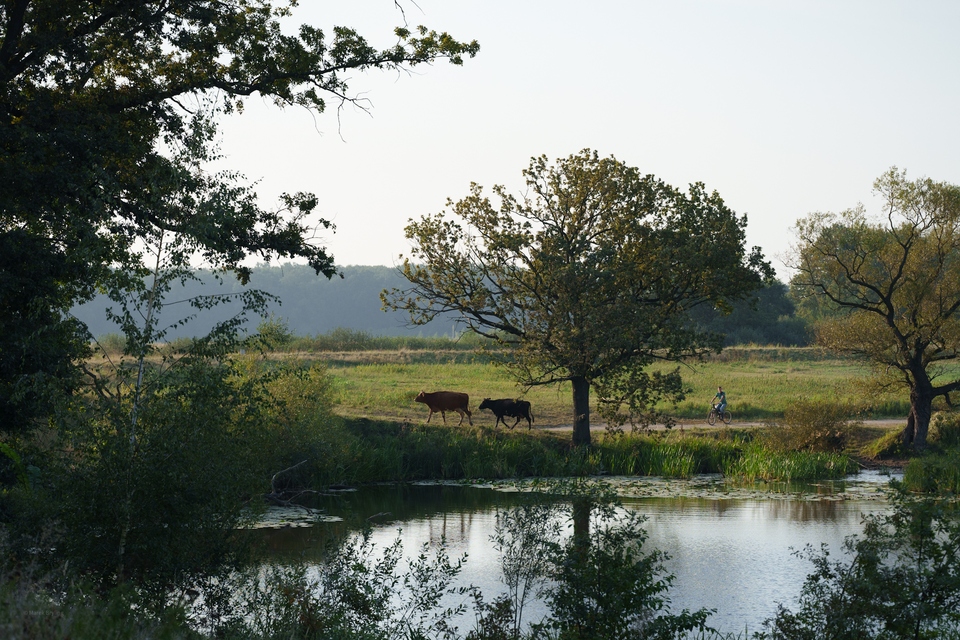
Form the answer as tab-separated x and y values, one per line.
443	401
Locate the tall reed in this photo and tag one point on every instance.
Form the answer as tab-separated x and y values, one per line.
936	472
760	463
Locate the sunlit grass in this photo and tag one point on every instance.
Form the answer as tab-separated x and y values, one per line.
757	389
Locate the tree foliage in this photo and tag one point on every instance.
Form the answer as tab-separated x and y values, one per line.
902	579
108	116
589	277
893	279
108	126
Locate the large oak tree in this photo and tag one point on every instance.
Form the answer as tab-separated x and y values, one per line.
588	277
894	282
108	114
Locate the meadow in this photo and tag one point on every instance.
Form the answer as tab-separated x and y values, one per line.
761	383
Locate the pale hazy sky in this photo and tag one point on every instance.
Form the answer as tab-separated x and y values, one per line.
783	107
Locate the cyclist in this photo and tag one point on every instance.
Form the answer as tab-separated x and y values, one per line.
721	397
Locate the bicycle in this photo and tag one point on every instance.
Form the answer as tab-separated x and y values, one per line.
712	416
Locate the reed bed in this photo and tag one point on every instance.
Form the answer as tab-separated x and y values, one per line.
382	451
757	462
935	473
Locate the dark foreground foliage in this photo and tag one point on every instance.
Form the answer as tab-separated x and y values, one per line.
577	549
902	580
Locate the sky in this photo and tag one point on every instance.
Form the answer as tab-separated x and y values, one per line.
783	107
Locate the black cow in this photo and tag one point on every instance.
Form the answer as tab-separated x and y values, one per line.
507	407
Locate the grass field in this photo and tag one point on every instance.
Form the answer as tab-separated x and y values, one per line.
760	383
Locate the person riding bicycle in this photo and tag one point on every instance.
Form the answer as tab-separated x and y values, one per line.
721	397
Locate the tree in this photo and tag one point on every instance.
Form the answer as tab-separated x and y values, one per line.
894	281
93	95
588	279
900	579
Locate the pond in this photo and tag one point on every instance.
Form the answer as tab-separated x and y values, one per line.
731	547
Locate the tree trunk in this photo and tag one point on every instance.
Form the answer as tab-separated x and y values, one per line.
581	525
910	430
581	411
921	408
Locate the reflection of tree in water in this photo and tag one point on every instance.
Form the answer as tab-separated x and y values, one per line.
587	558
447	510
807	510
777	508
452	527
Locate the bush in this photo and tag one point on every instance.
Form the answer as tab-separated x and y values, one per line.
900	579
155	504
815	426
945	429
159	504
180	345
273	333
112	343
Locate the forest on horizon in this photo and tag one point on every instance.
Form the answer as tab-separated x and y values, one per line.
312	305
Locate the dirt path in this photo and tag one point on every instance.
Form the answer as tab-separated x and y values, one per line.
595	427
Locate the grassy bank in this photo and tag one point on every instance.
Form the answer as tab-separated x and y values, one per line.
365	451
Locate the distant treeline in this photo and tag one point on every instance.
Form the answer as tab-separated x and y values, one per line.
308	304
770	318
314	306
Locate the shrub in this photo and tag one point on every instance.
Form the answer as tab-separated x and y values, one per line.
815	426
945	429
182	344
900	579
273	333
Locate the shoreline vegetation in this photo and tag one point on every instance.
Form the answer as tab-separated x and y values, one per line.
800	413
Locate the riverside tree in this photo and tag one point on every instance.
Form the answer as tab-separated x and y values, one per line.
892	280
108	124
588	278
93	95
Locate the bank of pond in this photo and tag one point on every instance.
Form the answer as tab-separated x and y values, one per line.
360	451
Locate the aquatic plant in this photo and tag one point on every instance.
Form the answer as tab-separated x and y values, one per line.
759	463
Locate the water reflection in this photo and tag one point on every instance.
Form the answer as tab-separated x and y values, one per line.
729	550
455	512
735	556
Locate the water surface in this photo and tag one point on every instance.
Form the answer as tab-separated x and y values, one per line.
731	547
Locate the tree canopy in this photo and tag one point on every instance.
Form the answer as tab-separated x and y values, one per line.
589	277
93	95
893	280
108	121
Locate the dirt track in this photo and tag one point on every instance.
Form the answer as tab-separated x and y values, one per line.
884	423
